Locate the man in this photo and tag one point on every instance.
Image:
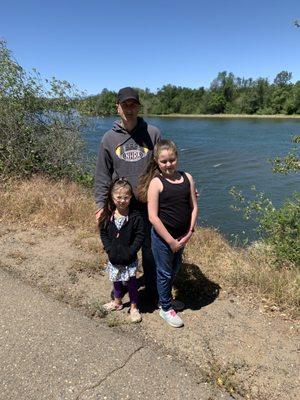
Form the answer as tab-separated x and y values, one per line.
125	151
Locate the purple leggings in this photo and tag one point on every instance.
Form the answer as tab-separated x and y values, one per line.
132	290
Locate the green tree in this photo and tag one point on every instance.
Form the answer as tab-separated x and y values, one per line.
215	103
106	103
283	78
146	99
167	99
40	132
261	88
227	94
280	93
225	85
292	103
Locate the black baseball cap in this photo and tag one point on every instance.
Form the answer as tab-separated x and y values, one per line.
127	93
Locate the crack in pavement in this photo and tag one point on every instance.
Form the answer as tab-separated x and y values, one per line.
108	374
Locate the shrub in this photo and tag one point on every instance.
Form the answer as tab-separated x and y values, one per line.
282	230
39	130
278	227
291	162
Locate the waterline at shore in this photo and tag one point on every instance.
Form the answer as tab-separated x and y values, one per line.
228	116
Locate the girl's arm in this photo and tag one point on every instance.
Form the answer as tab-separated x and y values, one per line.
139	235
106	240
154	190
194	208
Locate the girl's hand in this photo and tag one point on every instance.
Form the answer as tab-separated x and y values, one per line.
175	245
183	241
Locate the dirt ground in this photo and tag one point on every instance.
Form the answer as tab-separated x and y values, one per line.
228	340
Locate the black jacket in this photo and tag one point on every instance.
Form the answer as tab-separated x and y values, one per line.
122	245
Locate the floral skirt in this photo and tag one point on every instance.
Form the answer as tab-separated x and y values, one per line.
120	272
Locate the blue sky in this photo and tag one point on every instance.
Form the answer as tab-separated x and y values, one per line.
99	44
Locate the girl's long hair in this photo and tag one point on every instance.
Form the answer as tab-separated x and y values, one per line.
109	205
152	169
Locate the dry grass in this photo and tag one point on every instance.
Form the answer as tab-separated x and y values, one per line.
42	202
18	256
225	377
95	308
209	258
87	241
89	267
246	270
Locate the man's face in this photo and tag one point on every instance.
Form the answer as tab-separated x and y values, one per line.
128	110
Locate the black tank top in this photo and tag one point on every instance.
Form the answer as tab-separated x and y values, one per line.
174	206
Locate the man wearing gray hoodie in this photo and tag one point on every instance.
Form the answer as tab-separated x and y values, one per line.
125	151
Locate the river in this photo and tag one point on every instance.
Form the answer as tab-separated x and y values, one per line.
221	153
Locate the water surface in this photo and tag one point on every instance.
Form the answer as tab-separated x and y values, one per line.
221	153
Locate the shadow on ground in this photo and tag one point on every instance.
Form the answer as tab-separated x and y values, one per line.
194	288
191	286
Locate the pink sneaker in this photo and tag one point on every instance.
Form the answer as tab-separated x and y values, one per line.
171	318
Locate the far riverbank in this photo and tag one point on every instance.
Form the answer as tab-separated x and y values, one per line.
203	116
229	116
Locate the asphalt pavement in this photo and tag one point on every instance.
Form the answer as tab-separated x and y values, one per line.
51	351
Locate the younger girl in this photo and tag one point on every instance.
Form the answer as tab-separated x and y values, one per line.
172	208
122	235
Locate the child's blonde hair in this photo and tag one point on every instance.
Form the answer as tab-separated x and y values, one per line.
152	169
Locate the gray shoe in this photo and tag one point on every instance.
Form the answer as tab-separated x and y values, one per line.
171	318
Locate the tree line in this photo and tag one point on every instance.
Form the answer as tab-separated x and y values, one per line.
227	94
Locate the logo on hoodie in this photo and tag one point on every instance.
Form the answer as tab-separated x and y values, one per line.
131	152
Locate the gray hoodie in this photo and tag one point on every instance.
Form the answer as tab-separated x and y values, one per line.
123	154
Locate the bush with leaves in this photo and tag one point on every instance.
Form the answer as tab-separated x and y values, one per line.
278	227
282	230
40	131
291	162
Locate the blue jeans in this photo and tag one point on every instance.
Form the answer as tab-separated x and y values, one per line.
167	265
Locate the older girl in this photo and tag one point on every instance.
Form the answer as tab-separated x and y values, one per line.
172	208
